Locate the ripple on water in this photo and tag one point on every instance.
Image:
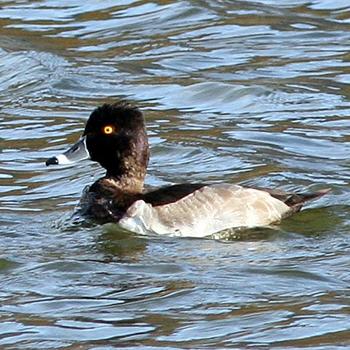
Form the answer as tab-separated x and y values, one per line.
231	92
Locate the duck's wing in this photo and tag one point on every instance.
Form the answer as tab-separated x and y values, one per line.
207	210
170	194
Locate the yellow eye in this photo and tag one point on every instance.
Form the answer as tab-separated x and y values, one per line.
108	129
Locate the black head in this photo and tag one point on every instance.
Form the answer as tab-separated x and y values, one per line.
116	138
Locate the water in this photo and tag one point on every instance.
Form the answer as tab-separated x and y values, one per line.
235	91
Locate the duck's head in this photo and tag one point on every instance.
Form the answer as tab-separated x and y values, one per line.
114	136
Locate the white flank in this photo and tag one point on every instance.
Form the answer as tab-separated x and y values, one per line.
206	211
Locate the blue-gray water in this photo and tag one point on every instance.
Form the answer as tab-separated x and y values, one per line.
239	91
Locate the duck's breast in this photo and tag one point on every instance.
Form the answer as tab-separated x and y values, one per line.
208	210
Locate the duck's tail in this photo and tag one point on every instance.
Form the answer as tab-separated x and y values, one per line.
296	200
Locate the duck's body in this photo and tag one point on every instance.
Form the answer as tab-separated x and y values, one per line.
115	136
205	211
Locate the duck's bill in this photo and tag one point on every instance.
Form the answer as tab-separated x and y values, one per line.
74	154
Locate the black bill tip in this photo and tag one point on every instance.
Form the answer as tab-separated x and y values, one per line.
52	161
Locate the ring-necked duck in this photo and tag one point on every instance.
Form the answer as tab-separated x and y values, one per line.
115	136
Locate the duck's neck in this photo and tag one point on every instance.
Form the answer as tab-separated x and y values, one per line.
129	172
126	172
131	180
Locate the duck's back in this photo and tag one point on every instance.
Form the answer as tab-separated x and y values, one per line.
207	210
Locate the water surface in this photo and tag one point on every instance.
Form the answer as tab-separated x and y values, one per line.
236	91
